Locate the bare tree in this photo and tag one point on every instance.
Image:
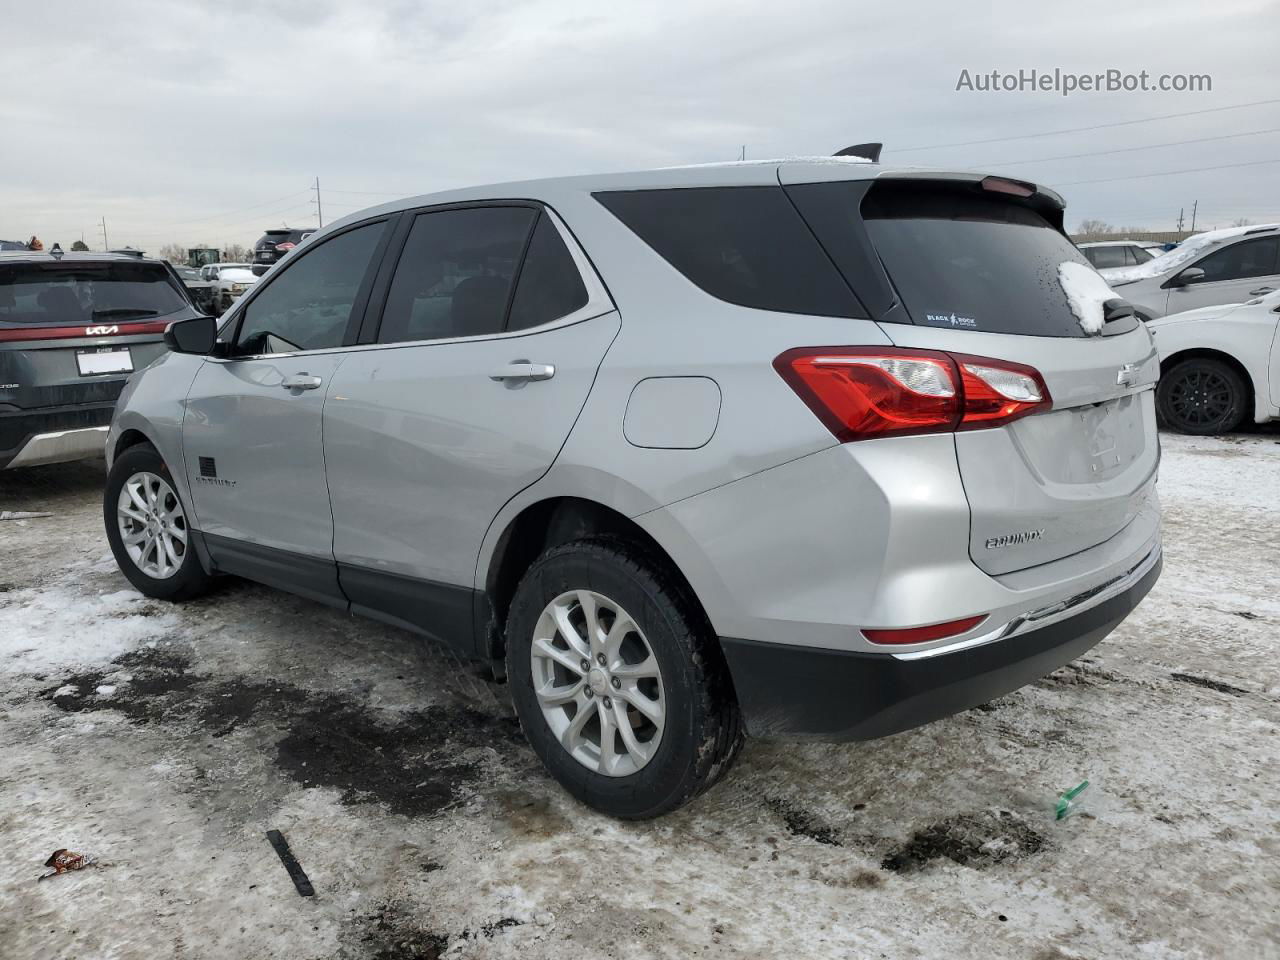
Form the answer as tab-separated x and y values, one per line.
235	253
79	246
174	253
1242	222
1094	228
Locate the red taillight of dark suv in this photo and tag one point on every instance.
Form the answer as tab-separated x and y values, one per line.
865	392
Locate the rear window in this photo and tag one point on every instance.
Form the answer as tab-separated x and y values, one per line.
961	259
746	245
81	293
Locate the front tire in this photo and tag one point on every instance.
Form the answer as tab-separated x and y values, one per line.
1202	396
147	527
618	680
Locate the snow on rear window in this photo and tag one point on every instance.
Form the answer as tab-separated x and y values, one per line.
1086	293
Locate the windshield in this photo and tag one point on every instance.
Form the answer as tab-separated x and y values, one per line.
1180	255
80	292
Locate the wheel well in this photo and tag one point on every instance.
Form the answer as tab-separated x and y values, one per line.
130	438
1204	353
547	524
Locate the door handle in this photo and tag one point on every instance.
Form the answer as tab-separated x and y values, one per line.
301	381
524	370
1262	291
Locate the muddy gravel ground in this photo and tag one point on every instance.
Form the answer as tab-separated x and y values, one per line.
166	740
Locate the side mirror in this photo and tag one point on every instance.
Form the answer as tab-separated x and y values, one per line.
196	335
1188	276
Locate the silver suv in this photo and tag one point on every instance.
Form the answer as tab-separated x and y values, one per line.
799	448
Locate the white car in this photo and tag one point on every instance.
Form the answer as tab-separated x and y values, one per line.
1221	266
1116	253
1219	365
230	280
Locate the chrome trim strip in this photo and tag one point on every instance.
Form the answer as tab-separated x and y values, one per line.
60	446
1043	616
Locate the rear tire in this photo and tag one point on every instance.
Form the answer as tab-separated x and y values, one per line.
683	727
147	527
1202	396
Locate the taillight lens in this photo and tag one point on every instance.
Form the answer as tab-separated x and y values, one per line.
997	392
865	392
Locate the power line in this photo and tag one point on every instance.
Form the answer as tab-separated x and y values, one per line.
1167	173
1150	146
1096	126
228	213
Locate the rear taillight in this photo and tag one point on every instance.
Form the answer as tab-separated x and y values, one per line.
865	392
15	334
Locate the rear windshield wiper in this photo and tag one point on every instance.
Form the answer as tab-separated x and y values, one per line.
125	312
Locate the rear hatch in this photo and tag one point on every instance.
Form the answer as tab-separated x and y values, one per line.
72	331
974	271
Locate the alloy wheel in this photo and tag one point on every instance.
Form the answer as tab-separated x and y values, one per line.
598	683
153	526
1200	398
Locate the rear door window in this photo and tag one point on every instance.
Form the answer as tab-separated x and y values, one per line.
75	293
455	274
550	286
746	245
957	257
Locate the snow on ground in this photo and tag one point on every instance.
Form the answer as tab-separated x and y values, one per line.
166	740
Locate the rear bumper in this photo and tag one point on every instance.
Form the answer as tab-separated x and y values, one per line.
54	435
790	691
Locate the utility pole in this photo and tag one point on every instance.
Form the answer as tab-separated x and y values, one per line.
319	211
1193	215
743	154
1181	211
106	244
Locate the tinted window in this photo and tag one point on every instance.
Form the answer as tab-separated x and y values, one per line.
83	292
961	259
308	306
746	245
1140	254
1248	258
454	275
550	286
1102	257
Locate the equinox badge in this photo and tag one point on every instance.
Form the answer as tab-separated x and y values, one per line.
1013	539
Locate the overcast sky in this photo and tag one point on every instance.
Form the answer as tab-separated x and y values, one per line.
192	122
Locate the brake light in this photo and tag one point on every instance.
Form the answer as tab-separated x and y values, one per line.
865	392
285	247
1015	188
935	631
997	392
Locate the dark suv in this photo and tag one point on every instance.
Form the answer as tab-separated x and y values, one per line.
275	244
72	328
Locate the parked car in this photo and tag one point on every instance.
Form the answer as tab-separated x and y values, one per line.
73	327
805	447
1221	266
198	288
1116	253
227	282
275	243
1219	365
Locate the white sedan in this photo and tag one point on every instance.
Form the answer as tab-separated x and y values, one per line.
1219	365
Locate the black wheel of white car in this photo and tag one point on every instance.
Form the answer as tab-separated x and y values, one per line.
148	529
618	681
1202	396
